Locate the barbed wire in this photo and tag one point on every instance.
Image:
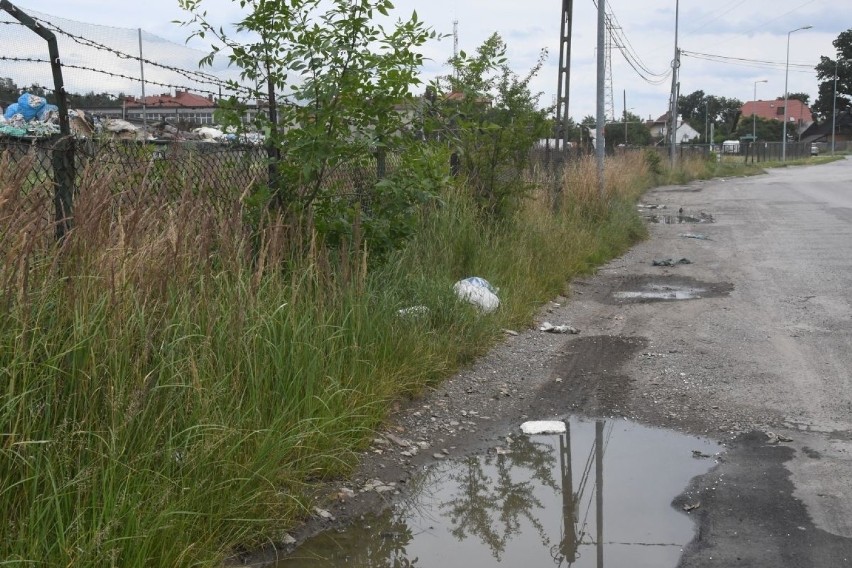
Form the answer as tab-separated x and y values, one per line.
197	76
120	75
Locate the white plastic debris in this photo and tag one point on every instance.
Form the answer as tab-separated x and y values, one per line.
413	312
118	125
478	292
550	328
209	134
533	427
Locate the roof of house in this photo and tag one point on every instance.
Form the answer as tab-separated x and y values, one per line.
664	119
774	110
459	96
182	99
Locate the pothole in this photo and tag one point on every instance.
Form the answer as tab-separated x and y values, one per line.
662	292
682	217
665	288
600	492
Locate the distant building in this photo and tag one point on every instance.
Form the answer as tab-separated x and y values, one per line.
660	128
799	116
182	107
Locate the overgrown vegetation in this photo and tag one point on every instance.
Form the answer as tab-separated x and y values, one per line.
169	391
176	377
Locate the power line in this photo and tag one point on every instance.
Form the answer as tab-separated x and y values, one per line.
631	51
745	62
763	25
620	40
704	21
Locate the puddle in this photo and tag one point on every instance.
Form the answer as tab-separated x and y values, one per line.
599	495
641	289
661	292
700	217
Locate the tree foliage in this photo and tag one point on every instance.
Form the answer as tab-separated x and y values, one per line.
337	87
631	132
804	97
494	121
842	65
699	109
765	129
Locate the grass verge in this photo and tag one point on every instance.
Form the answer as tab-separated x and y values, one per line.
169	393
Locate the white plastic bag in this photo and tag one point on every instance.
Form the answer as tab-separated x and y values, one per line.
478	292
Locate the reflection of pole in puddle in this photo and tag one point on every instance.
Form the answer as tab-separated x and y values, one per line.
599	427
568	546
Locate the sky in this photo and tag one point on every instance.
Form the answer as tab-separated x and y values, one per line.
742	29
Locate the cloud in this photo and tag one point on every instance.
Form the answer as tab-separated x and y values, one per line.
756	29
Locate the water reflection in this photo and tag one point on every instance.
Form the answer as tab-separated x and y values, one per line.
600	493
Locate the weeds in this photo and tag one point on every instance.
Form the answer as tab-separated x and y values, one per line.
175	377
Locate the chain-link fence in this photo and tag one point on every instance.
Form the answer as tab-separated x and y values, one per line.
217	173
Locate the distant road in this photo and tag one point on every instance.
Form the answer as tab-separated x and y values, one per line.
767	347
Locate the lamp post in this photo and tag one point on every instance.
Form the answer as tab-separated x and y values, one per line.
786	75
753	113
834	106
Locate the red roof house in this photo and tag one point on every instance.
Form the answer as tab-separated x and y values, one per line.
181	99
797	111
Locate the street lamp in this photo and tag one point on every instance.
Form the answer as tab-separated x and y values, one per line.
834	106
754	113
786	75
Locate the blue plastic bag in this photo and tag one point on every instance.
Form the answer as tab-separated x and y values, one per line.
29	105
44	112
11	111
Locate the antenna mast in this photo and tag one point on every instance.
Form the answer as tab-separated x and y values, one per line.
610	93
455	46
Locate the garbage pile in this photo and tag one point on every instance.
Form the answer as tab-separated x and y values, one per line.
33	116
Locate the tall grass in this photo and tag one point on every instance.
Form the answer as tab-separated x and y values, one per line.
173	385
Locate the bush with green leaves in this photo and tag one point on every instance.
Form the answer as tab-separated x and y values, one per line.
337	82
490	115
388	215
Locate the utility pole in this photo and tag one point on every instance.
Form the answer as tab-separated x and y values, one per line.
569	542
625	117
600	143
675	88
566	25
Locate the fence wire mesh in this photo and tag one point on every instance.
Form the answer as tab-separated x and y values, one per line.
219	174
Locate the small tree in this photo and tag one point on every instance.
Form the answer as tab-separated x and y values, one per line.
493	119
765	129
332	79
631	132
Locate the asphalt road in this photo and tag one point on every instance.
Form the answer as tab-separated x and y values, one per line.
748	344
762	343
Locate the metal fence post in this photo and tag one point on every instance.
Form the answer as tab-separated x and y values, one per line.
64	172
381	163
63	150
